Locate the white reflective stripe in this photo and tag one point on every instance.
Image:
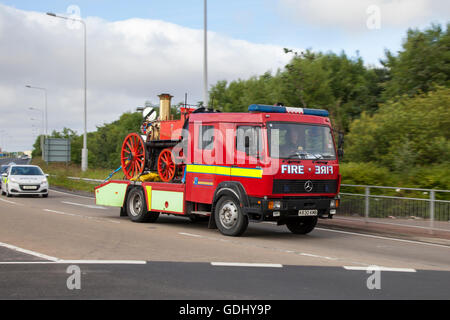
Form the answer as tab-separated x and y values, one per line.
239	264
351	268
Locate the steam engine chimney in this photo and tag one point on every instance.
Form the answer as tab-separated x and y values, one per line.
164	106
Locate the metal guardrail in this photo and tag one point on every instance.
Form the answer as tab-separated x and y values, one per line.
371	205
86	179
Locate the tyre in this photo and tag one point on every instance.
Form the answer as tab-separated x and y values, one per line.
9	195
137	207
302	225
229	217
45	195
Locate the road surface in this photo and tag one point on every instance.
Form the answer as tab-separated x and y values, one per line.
178	259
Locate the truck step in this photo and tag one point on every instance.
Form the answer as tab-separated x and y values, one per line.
201	213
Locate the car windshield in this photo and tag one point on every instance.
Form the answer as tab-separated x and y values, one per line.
300	141
26	171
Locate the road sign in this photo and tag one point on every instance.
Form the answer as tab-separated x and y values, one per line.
56	150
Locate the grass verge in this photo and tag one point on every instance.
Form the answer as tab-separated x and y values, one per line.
58	173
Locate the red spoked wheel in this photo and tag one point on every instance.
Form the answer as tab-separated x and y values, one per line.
166	165
133	156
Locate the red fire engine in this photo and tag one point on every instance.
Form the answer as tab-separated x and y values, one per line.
273	163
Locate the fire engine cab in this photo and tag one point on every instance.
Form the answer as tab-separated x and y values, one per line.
273	163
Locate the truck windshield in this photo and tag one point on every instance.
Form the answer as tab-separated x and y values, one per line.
300	141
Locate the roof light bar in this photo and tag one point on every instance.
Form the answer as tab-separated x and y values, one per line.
279	109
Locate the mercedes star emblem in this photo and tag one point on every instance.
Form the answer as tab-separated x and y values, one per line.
308	186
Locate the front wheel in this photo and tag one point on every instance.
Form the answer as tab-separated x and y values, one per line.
229	217
302	225
137	207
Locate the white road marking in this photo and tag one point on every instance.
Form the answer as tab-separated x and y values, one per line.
385	238
270	248
239	264
90	206
71	194
11	202
395	224
96	219
78	262
62	213
54	260
351	268
29	252
317	256
190	235
102	261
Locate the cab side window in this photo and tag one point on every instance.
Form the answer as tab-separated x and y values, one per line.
249	140
206	138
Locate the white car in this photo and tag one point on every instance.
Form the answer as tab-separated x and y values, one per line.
19	180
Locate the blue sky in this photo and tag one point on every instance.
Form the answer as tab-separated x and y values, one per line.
131	61
263	21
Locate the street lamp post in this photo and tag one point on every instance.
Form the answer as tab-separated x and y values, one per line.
205	56
84	152
35	109
46	114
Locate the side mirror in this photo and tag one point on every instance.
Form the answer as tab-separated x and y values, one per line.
46	175
341	140
4	175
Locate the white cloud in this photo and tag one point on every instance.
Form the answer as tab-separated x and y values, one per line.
129	62
352	15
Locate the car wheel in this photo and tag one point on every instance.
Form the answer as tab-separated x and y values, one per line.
45	195
229	217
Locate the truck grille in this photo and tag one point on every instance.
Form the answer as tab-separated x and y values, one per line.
298	186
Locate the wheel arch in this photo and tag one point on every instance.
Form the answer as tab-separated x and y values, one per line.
228	188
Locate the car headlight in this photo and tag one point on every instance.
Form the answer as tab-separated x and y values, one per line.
13	180
43	183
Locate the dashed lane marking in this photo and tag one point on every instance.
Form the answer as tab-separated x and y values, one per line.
379	268
241	264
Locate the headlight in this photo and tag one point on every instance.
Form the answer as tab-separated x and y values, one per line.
44	182
274	205
334	203
13	180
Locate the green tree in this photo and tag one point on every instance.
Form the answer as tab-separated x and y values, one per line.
412	131
423	63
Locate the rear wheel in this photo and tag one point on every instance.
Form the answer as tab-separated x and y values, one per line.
302	225
229	217
137	207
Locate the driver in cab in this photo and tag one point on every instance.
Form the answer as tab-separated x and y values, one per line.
292	143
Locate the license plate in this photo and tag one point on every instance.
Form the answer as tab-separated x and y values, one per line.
308	213
29	187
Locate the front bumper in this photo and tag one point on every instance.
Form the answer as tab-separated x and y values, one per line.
260	210
18	189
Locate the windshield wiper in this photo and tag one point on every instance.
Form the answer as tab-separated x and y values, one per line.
303	155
